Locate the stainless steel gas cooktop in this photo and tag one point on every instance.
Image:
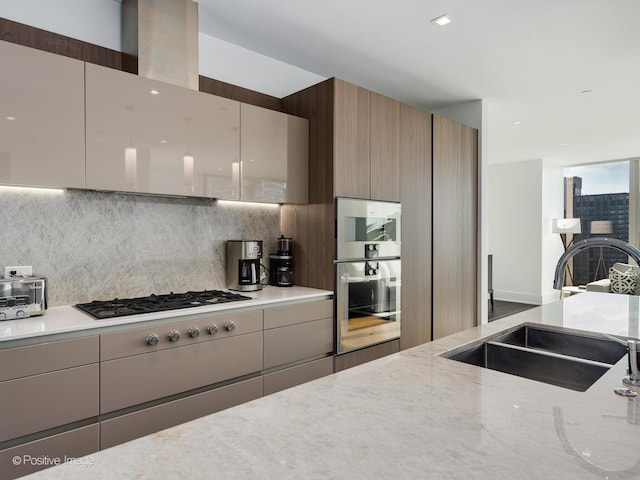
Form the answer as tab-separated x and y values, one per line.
119	307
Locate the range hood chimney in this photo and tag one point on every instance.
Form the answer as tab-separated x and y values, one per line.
160	40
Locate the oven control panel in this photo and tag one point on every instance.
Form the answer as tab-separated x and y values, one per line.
15	307
371	268
372	250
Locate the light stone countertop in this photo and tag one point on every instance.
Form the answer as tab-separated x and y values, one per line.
411	415
68	319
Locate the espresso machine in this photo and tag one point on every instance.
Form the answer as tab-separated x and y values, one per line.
243	265
281	264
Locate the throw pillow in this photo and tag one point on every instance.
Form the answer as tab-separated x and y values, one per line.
623	281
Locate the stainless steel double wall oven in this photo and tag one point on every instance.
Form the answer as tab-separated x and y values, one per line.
367	272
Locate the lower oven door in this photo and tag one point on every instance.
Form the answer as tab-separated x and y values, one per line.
368	303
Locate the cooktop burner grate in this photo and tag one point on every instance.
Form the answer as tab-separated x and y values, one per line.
120	307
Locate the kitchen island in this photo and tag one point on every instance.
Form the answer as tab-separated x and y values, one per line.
410	415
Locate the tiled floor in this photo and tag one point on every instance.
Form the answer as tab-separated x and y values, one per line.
503	309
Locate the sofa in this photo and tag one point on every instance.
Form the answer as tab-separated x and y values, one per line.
623	278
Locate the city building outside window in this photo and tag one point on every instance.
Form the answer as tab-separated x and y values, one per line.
598	195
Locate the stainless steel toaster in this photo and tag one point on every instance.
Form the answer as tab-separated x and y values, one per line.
22	297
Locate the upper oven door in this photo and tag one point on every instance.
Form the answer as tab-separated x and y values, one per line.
367	229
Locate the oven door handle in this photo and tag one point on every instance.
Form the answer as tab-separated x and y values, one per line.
343	303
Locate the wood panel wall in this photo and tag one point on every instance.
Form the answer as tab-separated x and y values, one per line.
455	226
312	226
39	39
234	92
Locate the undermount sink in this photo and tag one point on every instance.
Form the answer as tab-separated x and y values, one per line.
564	359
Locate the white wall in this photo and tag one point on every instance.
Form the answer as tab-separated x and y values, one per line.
523	197
552	202
514	230
236	65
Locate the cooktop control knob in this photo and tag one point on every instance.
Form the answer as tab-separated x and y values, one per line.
3	315
20	313
174	335
194	332
152	339
229	326
212	329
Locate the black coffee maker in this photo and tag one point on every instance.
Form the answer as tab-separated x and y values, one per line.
281	264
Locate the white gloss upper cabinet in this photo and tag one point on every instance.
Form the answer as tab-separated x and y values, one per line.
275	156
147	136
41	118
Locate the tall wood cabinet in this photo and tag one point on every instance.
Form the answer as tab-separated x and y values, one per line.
385	148
352	133
455	226
351	110
366	143
415	196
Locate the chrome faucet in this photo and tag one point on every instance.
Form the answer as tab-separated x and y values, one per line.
633	349
558	279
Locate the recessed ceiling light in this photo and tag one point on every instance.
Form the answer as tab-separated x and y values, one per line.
154	92
163	141
517	122
10	118
563	144
442	20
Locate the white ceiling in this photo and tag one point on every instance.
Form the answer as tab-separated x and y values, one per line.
530	61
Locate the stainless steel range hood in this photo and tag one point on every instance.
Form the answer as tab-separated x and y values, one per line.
162	36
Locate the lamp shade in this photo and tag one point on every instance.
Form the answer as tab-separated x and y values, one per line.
566	225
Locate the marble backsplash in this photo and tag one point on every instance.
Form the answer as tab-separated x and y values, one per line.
102	245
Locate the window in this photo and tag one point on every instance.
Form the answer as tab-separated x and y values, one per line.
598	195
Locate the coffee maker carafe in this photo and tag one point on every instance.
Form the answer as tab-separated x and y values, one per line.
281	264
243	265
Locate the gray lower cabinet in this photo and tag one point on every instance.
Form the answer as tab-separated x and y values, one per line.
298	344
298	374
293	343
39	402
69	398
364	355
43	453
46	389
134	425
141	378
